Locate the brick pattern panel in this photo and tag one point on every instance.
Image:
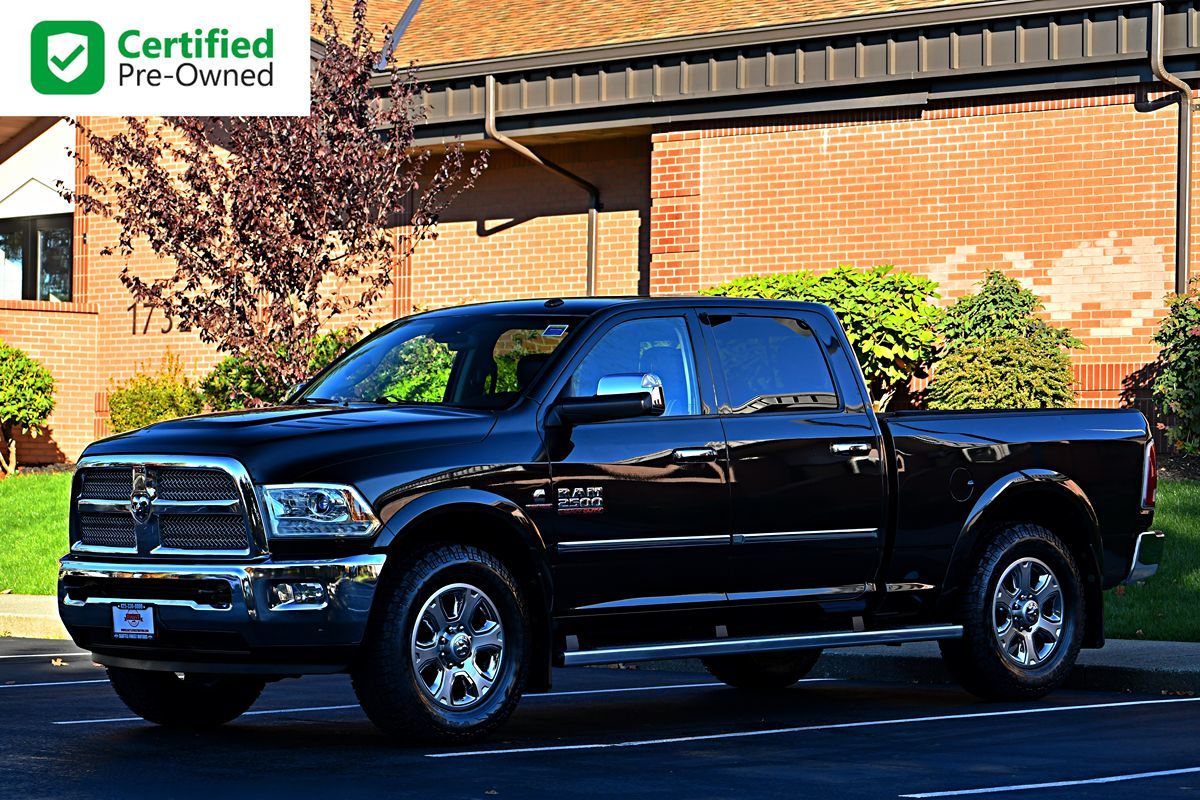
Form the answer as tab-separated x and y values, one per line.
522	231
1073	194
62	337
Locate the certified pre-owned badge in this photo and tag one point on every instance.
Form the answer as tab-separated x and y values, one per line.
581	500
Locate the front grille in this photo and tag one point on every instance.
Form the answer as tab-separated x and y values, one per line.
180	517
196	484
204	532
107	483
107	530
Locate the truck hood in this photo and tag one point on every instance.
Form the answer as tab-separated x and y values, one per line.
291	443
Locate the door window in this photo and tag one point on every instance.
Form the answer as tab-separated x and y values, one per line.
659	346
770	364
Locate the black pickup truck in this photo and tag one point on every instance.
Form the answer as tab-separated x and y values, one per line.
471	496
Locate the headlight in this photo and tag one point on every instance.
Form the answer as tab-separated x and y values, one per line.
318	509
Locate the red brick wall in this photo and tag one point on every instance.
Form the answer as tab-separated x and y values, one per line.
522	231
62	338
1073	194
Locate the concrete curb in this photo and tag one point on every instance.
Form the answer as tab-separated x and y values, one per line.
31	616
1121	666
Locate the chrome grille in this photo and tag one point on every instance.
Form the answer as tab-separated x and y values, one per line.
203	532
108	483
107	530
183	506
196	484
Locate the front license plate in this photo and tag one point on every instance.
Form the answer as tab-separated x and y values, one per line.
133	621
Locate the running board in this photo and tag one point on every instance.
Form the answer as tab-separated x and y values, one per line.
759	644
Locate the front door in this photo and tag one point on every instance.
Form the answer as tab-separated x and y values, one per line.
808	490
641	505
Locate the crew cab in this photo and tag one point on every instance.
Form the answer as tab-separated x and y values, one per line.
470	496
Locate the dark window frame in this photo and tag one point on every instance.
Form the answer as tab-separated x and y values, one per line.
30	227
718	369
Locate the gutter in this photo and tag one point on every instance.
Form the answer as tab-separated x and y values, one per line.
489	127
1183	155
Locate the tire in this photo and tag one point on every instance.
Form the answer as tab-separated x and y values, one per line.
189	700
1008	651
473	653
762	671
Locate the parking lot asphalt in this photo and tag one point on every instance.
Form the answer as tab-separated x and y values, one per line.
600	733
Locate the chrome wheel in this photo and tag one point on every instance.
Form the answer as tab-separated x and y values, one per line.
457	646
1028	611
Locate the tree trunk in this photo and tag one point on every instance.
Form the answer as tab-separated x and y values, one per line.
8	451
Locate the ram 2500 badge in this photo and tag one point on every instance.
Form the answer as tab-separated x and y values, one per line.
471	496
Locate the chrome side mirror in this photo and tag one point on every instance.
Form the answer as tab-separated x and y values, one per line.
634	383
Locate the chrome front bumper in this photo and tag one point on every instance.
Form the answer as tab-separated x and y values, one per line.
1147	554
242	625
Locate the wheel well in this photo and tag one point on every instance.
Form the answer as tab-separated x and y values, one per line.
1059	512
487	531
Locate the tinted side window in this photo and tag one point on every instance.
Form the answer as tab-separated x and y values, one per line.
659	346
770	364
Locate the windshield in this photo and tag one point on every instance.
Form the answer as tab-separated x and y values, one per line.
470	361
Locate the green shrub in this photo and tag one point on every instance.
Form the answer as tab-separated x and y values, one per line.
26	400
1178	384
238	381
888	315
146	398
997	353
1004	372
1001	307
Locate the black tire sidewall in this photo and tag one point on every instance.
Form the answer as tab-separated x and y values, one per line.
397	702
1068	581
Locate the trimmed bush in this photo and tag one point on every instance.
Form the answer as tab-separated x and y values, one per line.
997	353
26	400
888	315
1004	372
1001	307
239	382
1177	387
146	398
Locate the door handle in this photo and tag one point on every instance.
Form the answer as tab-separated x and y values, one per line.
850	448
694	454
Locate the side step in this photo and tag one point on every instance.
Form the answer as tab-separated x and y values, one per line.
759	644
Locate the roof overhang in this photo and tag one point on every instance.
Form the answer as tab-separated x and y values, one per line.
885	60
16	132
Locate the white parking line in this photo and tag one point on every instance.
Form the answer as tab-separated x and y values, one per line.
355	705
49	683
49	655
1057	784
805	729
247	714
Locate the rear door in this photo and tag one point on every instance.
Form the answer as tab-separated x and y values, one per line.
808	490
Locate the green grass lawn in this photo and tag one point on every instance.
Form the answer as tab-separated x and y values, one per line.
1168	605
33	530
33	534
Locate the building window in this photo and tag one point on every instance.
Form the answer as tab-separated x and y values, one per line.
35	258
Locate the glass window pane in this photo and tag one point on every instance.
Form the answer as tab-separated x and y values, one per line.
12	262
657	346
771	363
54	263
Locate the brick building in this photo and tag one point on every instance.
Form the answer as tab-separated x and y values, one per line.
723	139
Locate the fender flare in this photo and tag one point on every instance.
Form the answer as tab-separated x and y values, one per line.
401	515
1003	487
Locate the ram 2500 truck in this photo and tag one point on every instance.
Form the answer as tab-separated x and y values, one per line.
471	496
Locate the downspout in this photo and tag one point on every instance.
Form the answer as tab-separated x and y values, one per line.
1183	156
489	127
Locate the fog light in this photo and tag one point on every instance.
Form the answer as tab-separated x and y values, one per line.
286	594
